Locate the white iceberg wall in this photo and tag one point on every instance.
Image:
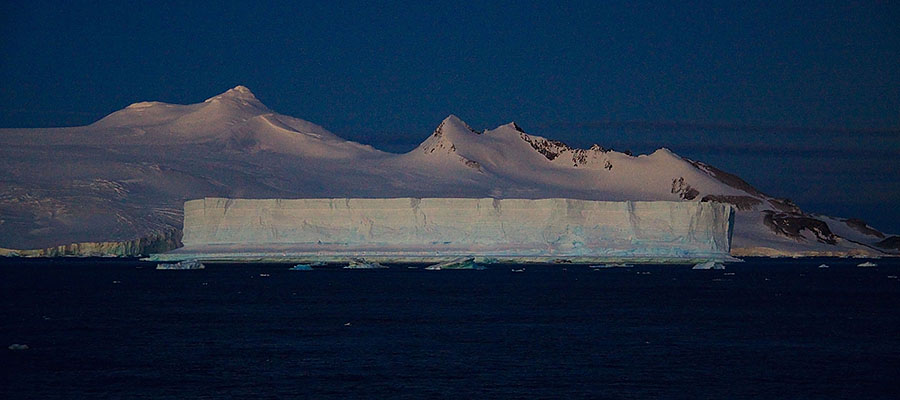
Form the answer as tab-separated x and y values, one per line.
545	227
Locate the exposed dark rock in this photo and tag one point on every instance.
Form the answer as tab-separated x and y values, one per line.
579	158
743	203
684	190
552	149
792	225
548	148
892	242
785	205
471	164
862	227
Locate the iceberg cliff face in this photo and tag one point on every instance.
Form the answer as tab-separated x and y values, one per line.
433	228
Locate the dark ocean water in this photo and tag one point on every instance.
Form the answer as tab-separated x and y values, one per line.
773	329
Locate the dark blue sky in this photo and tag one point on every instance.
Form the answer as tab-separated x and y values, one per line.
800	98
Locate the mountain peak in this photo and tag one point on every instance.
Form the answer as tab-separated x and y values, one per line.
665	152
239	92
512	125
453	120
454	123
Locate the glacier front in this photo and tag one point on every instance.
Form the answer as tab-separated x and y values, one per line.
436	229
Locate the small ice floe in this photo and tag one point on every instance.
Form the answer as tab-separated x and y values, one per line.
186	264
822	266
16	346
614	265
347	324
359	263
116	282
520	270
892	276
643	272
459	263
265	275
709	265
728	274
867	264
301	267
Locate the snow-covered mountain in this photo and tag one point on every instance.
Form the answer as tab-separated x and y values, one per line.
117	186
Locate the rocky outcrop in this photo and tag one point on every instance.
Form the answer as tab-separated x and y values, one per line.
684	190
862	227
785	205
553	149
550	149
792	226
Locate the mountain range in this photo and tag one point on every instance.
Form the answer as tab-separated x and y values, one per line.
117	186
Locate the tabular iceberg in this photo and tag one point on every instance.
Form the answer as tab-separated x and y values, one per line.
439	229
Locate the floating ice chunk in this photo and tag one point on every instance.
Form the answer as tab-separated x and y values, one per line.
709	265
302	267
359	263
824	266
16	346
186	264
602	266
459	263
867	264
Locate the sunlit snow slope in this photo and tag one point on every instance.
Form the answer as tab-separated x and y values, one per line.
117	186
